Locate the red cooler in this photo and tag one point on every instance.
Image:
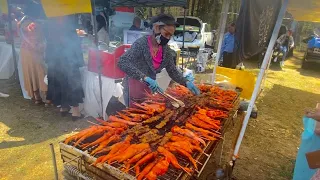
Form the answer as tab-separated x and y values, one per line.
109	62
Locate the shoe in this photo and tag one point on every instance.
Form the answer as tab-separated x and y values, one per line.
275	59
75	118
38	102
65	113
48	104
4	95
282	64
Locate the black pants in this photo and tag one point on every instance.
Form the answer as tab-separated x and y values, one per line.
227	60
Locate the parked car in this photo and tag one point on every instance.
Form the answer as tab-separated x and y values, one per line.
197	34
312	53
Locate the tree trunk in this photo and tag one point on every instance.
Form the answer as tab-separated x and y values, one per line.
149	12
198	8
192	7
162	10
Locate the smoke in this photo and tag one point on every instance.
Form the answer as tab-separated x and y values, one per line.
63	52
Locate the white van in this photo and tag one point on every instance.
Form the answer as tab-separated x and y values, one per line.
197	33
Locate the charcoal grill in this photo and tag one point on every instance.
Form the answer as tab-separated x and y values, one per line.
83	161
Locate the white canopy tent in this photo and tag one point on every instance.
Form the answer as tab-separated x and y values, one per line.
68	7
307	10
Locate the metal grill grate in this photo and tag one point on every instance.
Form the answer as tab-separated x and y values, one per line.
113	171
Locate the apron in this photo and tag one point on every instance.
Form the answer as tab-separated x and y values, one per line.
137	91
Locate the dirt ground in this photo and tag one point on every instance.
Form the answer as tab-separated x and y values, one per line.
268	151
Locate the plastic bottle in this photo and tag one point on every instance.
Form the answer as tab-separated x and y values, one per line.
219	174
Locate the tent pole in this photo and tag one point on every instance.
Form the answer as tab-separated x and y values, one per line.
266	73
184	29
260	77
223	22
95	31
11	37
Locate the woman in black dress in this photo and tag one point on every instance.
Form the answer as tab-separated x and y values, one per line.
64	58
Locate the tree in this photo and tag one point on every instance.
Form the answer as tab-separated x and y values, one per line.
207	10
149	12
192	7
162	10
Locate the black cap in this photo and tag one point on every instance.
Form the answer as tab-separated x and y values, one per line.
166	19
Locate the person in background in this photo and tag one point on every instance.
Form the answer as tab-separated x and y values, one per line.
310	142
32	55
284	43
228	44
147	57
136	25
314	114
64	58
103	35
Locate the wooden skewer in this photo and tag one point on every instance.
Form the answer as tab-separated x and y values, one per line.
112	163
204	138
217	132
205	154
199	162
138	174
93	123
132	167
184	170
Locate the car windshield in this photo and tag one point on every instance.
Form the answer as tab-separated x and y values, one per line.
188	28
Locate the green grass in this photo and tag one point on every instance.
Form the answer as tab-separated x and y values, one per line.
273	138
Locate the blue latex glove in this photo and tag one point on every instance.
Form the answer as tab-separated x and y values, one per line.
152	84
190	77
193	88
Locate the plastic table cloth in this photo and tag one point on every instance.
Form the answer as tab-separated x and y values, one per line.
7	65
6	61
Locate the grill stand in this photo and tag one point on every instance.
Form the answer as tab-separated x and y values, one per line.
107	172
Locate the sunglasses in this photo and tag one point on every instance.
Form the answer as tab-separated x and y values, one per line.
167	33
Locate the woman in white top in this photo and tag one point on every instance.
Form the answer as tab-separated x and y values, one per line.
103	36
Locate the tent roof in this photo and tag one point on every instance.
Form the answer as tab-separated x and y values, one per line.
149	3
305	10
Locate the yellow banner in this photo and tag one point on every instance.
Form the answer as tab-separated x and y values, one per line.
55	8
4	6
305	10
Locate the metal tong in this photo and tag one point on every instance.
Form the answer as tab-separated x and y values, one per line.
175	102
